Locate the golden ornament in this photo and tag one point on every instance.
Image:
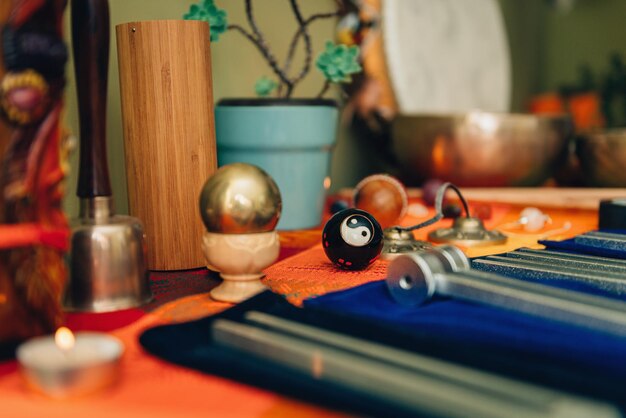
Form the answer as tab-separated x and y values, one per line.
240	198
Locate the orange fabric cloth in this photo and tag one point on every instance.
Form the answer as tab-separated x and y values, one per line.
149	387
310	273
152	388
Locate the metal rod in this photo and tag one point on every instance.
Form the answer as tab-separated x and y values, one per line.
607	280
416	278
580	263
602	240
583	257
605	235
415	383
518	392
548	302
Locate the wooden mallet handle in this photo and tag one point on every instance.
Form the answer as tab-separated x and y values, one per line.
90	38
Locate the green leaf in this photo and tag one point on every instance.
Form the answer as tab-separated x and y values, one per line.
338	62
207	11
264	86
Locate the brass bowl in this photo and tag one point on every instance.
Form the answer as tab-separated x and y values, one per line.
602	157
480	148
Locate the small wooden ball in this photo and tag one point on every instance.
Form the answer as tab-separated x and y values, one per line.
383	196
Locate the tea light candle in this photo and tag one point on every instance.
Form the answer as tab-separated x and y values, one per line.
68	365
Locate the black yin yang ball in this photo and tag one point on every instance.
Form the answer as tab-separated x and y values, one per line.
352	239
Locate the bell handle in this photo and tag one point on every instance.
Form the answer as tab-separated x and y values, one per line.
90	39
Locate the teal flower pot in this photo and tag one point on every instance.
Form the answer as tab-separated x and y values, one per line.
291	139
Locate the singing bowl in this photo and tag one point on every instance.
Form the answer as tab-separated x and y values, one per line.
480	148
602	157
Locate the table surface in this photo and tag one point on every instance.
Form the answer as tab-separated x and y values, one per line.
153	388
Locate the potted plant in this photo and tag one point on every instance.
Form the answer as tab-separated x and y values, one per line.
291	139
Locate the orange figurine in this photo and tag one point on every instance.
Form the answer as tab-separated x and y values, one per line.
34	234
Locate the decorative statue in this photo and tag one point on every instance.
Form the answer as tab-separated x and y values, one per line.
34	234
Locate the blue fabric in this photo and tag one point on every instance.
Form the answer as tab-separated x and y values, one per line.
191	344
465	323
541	351
522	347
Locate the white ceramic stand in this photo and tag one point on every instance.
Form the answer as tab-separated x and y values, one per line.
240	260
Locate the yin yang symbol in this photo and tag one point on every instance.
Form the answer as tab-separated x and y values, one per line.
357	230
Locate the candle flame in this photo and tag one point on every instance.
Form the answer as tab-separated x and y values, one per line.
64	339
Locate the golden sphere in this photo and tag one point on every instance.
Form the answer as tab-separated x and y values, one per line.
240	198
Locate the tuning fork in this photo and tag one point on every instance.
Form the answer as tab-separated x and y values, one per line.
416	278
606	274
608	240
414	383
595	259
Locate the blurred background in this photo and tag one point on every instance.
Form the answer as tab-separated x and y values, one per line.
562	47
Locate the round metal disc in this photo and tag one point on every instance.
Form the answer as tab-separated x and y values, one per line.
397	242
410	278
467	232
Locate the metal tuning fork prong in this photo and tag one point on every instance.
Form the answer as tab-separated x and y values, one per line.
417	384
414	279
560	255
600	274
601	239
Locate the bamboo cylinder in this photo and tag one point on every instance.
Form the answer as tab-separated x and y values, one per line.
169	133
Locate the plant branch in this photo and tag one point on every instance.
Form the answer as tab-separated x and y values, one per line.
325	88
259	41
247	34
296	38
307	45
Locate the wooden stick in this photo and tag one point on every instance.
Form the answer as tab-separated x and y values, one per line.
553	197
570	198
90	39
